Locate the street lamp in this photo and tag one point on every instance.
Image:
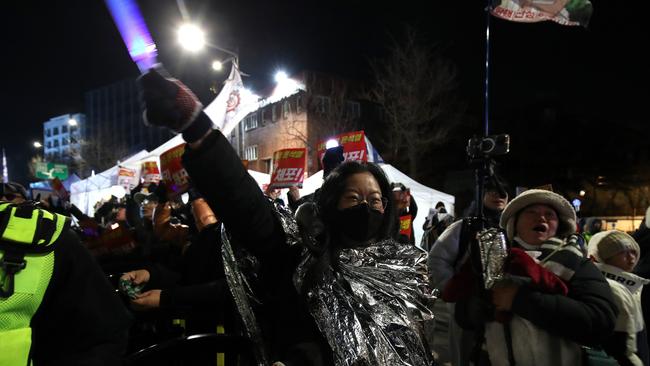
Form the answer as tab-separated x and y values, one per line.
191	37
37	144
281	76
72	122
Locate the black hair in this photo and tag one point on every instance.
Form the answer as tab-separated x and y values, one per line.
328	196
335	184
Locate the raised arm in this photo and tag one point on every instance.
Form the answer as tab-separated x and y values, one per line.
212	164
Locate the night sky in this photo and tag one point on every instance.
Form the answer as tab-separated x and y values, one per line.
54	51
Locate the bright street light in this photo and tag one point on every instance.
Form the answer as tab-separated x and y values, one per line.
72	122
191	37
281	76
217	65
582	193
37	144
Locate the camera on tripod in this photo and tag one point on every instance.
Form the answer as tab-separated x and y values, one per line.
488	146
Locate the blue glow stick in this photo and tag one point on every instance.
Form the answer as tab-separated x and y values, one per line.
134	31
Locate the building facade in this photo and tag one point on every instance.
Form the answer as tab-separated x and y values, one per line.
115	128
325	107
62	137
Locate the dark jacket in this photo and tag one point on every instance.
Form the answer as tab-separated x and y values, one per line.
81	320
237	200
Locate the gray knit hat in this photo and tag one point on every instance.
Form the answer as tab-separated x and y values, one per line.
607	244
564	210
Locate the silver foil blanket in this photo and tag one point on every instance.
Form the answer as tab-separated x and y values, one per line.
372	307
242	292
494	251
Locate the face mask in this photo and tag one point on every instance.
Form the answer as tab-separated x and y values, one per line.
359	222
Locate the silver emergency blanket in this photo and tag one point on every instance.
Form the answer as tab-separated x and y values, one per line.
371	309
242	292
494	251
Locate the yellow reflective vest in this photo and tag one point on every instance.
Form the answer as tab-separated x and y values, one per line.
28	236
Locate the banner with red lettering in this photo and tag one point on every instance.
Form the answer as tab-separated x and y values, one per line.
405	223
150	173
127	178
354	146
574	12
173	174
288	168
59	189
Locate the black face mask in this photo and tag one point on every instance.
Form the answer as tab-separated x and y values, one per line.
360	222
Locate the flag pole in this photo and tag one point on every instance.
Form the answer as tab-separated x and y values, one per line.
487	69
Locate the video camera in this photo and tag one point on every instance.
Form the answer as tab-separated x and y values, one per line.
488	146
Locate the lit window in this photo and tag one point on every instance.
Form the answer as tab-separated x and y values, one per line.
250	153
285	109
250	122
274	113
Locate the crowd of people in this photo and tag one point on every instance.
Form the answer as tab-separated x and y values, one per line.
333	278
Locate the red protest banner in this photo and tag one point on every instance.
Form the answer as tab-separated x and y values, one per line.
354	146
150	173
173	174
59	189
288	168
405	223
127	178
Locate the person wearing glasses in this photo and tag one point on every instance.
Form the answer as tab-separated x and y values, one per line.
351	295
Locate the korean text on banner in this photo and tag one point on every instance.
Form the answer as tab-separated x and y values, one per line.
354	146
405	223
565	12
150	173
174	175
127	178
288	168
60	190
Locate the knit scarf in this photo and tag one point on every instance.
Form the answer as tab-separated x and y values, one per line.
561	257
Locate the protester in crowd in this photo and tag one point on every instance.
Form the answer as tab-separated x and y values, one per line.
56	305
445	259
554	301
406	210
436	222
593	225
328	315
199	289
616	254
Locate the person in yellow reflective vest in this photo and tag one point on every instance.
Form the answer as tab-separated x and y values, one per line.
56	305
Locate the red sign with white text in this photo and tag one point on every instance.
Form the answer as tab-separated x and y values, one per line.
354	146
405	223
150	173
173	174
288	168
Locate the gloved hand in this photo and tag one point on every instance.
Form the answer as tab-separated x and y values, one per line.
169	103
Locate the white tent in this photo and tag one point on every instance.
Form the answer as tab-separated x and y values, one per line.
425	197
85	193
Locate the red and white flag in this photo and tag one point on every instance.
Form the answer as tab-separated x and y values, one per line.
565	12
232	104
